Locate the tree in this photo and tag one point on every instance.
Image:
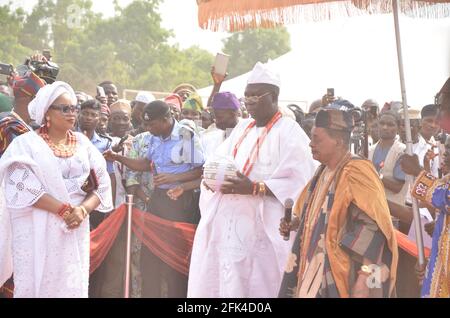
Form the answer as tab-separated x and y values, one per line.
178	66
131	48
12	51
250	46
36	29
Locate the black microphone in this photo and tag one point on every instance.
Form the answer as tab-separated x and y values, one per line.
288	204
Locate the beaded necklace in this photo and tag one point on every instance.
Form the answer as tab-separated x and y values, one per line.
66	150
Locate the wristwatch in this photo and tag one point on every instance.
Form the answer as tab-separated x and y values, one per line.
365	270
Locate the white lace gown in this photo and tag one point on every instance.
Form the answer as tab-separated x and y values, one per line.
48	259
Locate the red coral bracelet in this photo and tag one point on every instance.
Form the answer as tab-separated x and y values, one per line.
64	210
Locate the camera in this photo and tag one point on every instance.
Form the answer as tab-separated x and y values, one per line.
48	71
330	92
6	69
362	118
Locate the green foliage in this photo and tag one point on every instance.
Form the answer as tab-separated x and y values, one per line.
12	51
130	48
253	45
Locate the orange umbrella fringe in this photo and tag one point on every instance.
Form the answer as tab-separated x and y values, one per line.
232	15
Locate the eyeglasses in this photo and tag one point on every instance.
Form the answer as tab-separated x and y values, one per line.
65	109
254	99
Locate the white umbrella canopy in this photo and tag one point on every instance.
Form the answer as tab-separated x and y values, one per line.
235	15
357	57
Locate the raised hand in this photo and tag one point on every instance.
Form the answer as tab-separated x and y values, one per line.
38	57
102	99
429	156
217	78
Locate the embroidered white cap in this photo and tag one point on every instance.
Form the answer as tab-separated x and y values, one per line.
145	97
264	74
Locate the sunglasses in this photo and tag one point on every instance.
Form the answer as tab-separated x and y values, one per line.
254	99
65	109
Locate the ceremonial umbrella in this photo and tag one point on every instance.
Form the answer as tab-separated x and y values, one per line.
236	15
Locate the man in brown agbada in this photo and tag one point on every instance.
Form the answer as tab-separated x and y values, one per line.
345	245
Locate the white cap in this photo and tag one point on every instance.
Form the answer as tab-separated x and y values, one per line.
145	97
264	74
412	114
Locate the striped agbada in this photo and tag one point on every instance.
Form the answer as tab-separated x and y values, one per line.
339	227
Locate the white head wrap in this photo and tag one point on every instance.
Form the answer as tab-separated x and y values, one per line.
46	96
264	74
144	97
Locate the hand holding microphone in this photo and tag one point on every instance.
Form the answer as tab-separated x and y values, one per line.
285	225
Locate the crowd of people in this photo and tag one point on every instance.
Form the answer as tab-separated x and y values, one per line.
228	169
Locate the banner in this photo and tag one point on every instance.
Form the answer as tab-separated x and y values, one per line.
170	241
409	246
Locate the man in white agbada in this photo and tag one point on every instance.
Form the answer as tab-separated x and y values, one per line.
237	250
45	225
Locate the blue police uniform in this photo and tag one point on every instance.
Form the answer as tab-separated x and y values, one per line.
178	153
103	143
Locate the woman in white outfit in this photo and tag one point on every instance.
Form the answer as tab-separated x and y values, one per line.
48	200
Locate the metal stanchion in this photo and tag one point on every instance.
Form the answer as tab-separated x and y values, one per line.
129	204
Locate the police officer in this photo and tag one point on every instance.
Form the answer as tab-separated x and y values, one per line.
88	119
177	157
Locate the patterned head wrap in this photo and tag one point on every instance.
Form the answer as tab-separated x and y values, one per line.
28	85
194	102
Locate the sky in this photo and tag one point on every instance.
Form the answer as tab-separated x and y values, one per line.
178	15
426	46
181	17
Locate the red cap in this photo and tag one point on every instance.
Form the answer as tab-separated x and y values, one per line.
174	99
